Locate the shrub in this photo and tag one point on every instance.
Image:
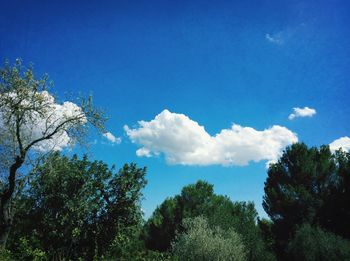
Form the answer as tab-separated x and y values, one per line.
200	242
313	243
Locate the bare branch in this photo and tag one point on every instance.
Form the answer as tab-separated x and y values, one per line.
55	131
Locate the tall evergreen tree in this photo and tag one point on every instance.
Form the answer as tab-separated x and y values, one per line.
307	185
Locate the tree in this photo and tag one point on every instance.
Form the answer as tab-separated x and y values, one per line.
161	228
31	123
80	208
314	244
265	227
334	214
308	185
200	200
200	242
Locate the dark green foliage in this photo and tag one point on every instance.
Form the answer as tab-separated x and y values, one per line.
5	255
308	185
127	245
315	244
26	250
335	213
79	207
74	208
199	199
161	228
265	227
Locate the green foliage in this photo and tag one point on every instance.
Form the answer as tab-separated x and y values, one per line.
160	229
79	207
312	181
265	227
32	122
315	244
5	255
27	252
199	199
75	209
335	212
200	242
126	244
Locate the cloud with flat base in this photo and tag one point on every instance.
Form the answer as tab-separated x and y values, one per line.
183	141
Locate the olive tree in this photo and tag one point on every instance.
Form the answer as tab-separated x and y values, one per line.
200	242
32	123
199	199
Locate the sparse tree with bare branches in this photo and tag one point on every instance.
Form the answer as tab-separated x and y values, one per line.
33	123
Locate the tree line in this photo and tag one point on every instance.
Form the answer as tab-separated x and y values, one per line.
75	208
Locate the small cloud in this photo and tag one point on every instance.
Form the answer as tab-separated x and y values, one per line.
302	112
343	142
109	136
183	141
94	142
275	38
144	152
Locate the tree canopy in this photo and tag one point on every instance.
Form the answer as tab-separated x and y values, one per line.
308	185
87	210
33	122
79	206
200	200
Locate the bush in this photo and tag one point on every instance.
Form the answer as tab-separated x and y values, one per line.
5	255
127	245
27	252
313	243
200	242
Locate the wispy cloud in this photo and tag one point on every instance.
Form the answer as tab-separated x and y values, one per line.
302	112
274	38
343	142
184	141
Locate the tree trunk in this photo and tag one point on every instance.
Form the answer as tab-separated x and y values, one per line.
6	223
6	215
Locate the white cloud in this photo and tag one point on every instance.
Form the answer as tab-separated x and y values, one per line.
302	112
184	141
36	125
343	142
275	38
109	136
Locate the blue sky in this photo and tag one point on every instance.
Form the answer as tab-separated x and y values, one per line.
243	62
